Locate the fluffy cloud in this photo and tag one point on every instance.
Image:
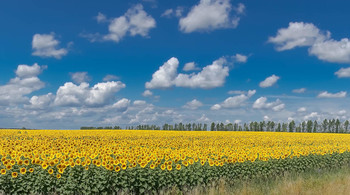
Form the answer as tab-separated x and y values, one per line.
40	102
301	90
25	82
165	75
261	103
80	77
77	95
235	101
147	93
210	76
321	45
210	15
312	115
269	81
101	17
190	66
193	105
171	12
343	73
45	45
134	22
325	94
121	105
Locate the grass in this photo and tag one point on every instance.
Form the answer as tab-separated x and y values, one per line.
328	182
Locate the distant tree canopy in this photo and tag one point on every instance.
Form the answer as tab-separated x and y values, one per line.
309	126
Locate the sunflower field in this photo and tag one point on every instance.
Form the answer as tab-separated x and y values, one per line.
137	162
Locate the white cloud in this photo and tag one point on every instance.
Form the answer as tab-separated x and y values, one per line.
210	15
341	112
147	93
80	77
210	76
343	73
110	77
101	17
325	94
301	90
237	121
121	105
266	118
25	82
45	45
134	22
311	116
269	81
321	45
235	101
203	119
332	50
193	105
167	13
190	66
240	9
139	103
77	95
296	35
261	103
301	109
40	102
215	107
241	58
164	76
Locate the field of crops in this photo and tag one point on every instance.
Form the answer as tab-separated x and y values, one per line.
112	161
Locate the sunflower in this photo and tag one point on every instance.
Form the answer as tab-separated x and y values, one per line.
44	166
23	170
117	168
152	166
3	171
31	170
9	167
14	174
86	167
162	166
50	171
61	170
58	176
169	167
178	166
20	162
26	162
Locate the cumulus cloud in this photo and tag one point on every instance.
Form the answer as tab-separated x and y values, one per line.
25	82
301	90
193	105
321	45
261	103
210	76
269	81
121	105
190	66
45	45
147	93
40	102
236	92
209	15
100	94
312	115
343	73
235	101
139	103
80	77
165	75
134	22
326	94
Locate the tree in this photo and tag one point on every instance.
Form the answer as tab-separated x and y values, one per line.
315	127
309	126
291	126
212	127
346	125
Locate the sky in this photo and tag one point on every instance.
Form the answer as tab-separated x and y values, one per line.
66	64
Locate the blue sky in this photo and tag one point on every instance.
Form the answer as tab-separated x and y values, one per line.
66	64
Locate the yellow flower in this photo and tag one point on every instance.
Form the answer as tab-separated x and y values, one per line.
23	170
14	174
178	166
117	168
50	171
58	176
44	166
162	166
169	167
31	170
3	171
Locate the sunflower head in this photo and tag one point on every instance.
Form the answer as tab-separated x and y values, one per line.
23	170
3	171
14	174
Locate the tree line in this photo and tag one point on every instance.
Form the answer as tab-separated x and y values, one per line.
309	126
